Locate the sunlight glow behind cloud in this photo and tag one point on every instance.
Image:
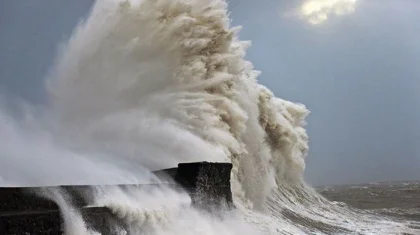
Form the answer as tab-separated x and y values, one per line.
318	11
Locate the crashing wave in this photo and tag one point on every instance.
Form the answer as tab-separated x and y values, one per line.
150	83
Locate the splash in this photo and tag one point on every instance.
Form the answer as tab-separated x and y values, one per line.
147	84
177	69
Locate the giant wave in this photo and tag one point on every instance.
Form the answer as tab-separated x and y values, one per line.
144	84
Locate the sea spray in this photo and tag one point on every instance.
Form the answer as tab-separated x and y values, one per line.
150	83
73	223
180	62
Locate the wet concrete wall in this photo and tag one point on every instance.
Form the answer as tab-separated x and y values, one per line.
26	211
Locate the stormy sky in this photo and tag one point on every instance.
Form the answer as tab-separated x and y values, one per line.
354	63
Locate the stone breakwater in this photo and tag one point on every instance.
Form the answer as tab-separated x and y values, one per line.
24	210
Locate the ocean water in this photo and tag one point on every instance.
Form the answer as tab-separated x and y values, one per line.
397	200
142	85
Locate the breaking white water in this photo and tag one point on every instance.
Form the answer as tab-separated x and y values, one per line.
143	85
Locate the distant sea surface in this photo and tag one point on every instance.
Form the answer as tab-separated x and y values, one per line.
399	200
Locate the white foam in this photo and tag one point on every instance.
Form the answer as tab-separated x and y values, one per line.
152	83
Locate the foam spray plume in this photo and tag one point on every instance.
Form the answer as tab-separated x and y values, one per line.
149	83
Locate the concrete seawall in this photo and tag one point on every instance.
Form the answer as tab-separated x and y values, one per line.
26	211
